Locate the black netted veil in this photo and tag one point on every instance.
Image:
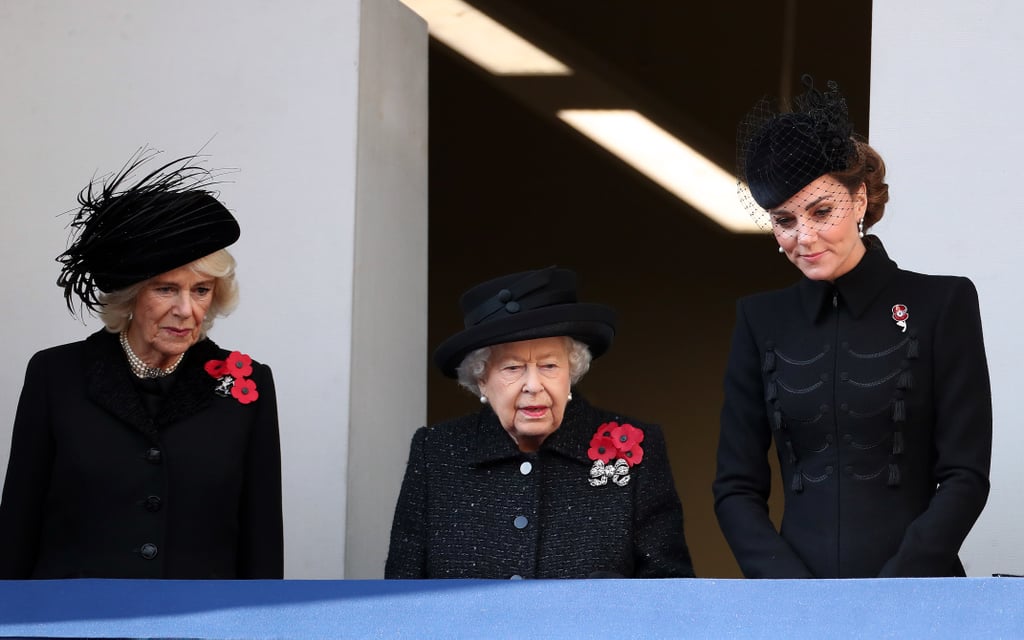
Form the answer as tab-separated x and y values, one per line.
125	232
779	153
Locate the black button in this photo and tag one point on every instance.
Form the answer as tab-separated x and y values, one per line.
148	551
504	295
153	456
520	522
512	307
153	504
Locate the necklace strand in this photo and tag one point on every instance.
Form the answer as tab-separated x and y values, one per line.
140	368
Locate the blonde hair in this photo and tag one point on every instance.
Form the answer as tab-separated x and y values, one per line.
116	312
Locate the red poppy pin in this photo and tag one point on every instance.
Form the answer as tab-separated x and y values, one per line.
900	315
231	374
614	449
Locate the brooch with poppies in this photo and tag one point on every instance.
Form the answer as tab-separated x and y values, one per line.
614	449
232	377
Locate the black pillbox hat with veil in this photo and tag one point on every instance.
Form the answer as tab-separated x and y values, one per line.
780	153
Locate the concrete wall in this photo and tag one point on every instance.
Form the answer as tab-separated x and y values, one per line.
274	89
389	388
945	91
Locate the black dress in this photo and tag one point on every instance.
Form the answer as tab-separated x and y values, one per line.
875	390
473	506
113	478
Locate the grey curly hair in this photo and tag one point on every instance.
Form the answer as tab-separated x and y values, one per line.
474	365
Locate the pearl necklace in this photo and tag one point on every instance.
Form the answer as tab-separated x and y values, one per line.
140	368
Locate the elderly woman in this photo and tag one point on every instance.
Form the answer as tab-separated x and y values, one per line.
538	484
145	450
871	380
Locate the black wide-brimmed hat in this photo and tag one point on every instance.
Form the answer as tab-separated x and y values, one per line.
781	153
125	234
524	306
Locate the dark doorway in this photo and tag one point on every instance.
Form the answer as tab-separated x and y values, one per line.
513	188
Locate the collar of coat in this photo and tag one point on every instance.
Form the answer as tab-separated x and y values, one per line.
571	439
111	385
856	289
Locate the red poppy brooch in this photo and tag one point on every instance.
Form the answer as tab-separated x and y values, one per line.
900	314
614	449
231	374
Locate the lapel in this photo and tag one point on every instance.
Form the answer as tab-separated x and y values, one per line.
110	384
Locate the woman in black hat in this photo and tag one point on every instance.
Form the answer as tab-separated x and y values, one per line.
871	380
538	484
146	451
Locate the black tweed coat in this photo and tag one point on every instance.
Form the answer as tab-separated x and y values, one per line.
98	487
473	506
883	430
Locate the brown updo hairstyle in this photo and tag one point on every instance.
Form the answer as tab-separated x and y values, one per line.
866	166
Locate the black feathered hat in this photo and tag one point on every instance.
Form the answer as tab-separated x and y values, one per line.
524	306
781	153
122	235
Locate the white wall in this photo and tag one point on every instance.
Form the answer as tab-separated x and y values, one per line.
270	87
946	90
389	360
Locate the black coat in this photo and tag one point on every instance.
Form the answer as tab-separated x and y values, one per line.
96	487
883	432
467	483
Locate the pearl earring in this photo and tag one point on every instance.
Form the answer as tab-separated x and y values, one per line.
570	395
483	399
781	250
860	227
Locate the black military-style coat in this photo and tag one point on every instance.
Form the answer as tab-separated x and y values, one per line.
473	506
97	487
875	390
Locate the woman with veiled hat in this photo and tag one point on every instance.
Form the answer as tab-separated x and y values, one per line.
146	450
871	380
538	483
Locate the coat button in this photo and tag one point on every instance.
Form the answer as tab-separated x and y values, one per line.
516	577
153	504
148	551
525	468
153	456
520	522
